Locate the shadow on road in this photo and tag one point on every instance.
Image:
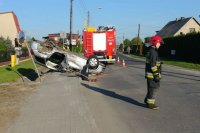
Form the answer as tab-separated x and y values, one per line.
114	95
29	73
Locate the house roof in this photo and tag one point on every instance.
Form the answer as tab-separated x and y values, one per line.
173	26
15	20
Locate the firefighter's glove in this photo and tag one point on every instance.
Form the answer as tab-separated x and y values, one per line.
156	79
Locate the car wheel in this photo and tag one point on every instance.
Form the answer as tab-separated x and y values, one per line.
93	62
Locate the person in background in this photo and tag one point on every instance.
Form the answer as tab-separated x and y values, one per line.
153	72
17	44
128	49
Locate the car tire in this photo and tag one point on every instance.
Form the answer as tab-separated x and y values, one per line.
93	62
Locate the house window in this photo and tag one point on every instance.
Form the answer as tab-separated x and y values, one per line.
191	30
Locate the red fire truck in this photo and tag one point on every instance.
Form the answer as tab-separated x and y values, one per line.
100	43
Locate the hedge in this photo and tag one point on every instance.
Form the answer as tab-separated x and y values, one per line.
5	55
186	47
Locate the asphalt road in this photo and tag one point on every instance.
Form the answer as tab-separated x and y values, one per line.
178	97
64	103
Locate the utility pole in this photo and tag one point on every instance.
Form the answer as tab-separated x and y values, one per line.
71	17
141	46
138	34
88	19
138	37
123	44
85	23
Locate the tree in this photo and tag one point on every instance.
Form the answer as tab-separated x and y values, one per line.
127	43
138	42
121	47
6	48
5	44
147	39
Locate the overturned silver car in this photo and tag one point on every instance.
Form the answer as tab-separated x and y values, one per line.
45	53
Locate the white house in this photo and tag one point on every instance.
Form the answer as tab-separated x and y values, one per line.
9	25
180	26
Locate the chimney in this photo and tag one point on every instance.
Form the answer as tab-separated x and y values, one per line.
182	18
177	19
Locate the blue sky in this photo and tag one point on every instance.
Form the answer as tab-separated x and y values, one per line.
38	18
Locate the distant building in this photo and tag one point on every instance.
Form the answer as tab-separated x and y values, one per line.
57	36
9	26
180	26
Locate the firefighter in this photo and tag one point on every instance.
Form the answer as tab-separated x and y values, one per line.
153	72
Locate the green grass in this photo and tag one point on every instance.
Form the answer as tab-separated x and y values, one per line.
182	64
11	74
136	56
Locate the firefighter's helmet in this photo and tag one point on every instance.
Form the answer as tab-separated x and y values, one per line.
155	39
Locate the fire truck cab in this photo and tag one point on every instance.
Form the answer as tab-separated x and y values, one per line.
100	43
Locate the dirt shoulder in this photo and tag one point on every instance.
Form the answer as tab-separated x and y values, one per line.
12	97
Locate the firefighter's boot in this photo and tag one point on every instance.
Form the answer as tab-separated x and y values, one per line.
151	104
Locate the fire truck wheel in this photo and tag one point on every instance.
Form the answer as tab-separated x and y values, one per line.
93	62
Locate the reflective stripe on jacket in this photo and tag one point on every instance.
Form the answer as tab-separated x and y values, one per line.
153	64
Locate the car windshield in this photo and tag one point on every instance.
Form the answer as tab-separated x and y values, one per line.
57	58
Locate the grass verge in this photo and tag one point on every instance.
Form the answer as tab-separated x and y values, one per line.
187	65
182	64
11	74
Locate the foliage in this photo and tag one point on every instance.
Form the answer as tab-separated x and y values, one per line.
182	64
121	47
24	52
78	48
136	41
5	44
186	47
33	39
9	74
136	45
127	43
6	49
21	40
147	39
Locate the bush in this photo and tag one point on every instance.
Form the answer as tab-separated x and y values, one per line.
24	52
5	44
186	47
6	49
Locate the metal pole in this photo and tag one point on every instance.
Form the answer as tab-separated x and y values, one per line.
63	43
32	60
138	33
138	37
123	44
71	17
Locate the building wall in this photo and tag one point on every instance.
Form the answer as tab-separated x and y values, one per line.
186	28
9	26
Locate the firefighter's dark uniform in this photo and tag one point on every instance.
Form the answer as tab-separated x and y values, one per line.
153	75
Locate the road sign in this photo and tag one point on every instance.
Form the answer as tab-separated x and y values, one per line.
63	35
